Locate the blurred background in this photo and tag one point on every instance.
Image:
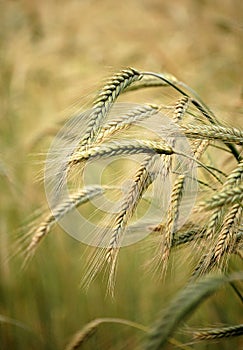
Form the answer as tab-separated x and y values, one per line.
54	55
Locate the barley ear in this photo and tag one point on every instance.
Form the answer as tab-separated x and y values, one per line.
182	306
167	234
218	333
124	122
105	99
72	202
227	237
117	148
142	180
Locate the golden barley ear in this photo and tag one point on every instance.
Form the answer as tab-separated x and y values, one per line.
75	200
136	114
217	333
121	147
214	132
168	229
181	108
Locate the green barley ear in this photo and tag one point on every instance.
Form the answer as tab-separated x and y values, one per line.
182	306
226	240
218	333
101	106
106	97
141	181
227	196
221	229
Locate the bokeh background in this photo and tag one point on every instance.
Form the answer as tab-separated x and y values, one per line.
53	56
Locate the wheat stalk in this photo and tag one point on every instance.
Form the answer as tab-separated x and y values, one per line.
148	81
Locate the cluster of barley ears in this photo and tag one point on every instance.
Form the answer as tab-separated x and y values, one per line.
213	229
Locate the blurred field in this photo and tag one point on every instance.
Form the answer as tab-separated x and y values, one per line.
54	55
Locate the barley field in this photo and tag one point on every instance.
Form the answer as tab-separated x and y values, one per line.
175	192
